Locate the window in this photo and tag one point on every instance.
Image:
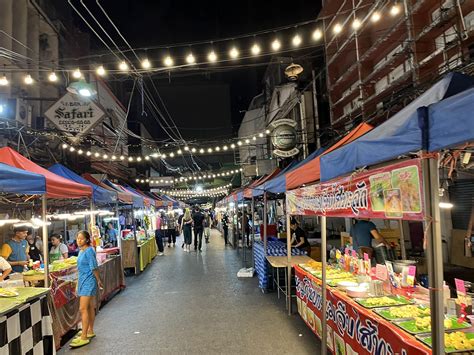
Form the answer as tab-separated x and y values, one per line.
381	85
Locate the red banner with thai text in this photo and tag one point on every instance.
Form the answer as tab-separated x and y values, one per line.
391	192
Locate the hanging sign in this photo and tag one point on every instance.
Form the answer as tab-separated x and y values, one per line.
394	191
284	138
351	329
75	115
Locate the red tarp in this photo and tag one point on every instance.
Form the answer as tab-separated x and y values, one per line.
122	196
311	171
56	186
248	190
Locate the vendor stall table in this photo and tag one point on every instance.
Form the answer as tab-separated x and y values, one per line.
147	252
281	262
25	323
138	256
274	248
352	329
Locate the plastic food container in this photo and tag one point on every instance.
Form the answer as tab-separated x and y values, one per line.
343	285
357	292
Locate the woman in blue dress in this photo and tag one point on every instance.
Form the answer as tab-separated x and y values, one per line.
87	285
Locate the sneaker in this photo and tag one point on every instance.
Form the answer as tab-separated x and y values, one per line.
160	254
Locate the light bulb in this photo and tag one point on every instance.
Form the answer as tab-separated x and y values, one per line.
28	80
100	71
356	24
71	149
395	10
76	74
201	151
85	92
190	59
123	66
225	147
193	150
234	53
168	61
146	64
186	148
256	49
239	143
52	77
96	154
296	40
337	28
88	153
247	141
209	150
217	149
276	45
317	35
212	57
232	146
3	80
375	16
179	151
80	151
64	146
171	155
267	131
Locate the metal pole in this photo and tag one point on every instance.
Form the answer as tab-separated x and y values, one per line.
119	234
45	242
236	234
92	215
288	252
316	112
253	220
402	241
265	223
243	232
323	286
434	252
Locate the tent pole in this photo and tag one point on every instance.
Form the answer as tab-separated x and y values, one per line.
119	234
434	252
45	241
243	233
253	226
235	236
402	241
264	224
323	286
92	215
288	252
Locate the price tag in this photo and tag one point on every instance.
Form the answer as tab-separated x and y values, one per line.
354	254
346	251
411	275
366	257
460	287
381	272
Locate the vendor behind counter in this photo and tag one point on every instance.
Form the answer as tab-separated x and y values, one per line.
298	237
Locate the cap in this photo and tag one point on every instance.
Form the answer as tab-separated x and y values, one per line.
21	229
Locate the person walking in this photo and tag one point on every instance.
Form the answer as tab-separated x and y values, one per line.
87	285
225	227
16	250
207	226
186	223
159	233
172	220
198	221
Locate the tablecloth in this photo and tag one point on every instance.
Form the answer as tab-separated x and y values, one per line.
147	252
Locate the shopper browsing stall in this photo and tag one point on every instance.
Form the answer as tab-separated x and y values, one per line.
59	250
87	284
15	251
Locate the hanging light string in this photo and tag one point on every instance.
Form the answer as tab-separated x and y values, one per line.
187	193
204	176
168	62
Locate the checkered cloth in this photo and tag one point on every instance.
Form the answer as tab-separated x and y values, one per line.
27	329
262	266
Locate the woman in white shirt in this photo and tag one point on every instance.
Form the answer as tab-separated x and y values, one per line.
59	250
5	268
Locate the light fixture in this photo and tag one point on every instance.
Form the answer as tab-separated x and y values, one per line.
232	146
234	53
80	151
168	61
255	49
247	141
395	9
209	150
81	88
96	154
356	24
212	57
100	71
179	151
217	149
375	16
267	131
123	66
76	74
193	150
201	151
296	40
186	148
225	147
52	77
88	153
28	79
190	59
239	143
337	28
446	205
171	155
64	146
260	135
72	149
146	64
317	34
276	45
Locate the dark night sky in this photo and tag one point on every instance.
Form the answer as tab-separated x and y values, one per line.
157	23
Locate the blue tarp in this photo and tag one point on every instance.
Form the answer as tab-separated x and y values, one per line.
451	121
399	135
277	185
100	196
137	200
18	181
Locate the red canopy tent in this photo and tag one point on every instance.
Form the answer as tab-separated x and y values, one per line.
122	196
311	171
56	186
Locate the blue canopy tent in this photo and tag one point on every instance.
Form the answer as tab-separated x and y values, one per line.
137	200
19	181
399	135
100	196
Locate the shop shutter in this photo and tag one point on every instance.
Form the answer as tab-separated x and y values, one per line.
462	196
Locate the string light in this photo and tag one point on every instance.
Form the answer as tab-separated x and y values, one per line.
337	28
317	34
52	77
375	16
190	59
276	45
168	61
76	74
28	79
395	10
234	53
212	57
256	49
146	64
296	40
3	80
123	66
100	71
356	24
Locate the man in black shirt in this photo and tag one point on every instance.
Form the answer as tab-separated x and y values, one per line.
299	239
198	220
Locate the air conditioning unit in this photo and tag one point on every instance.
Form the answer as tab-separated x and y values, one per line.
23	112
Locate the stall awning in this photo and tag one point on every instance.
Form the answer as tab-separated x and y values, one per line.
137	200
311	171
146	200
123	197
248	191
18	181
398	136
99	194
56	186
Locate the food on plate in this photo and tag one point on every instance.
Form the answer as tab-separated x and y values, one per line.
458	341
408	311
5	292
424	323
380	301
